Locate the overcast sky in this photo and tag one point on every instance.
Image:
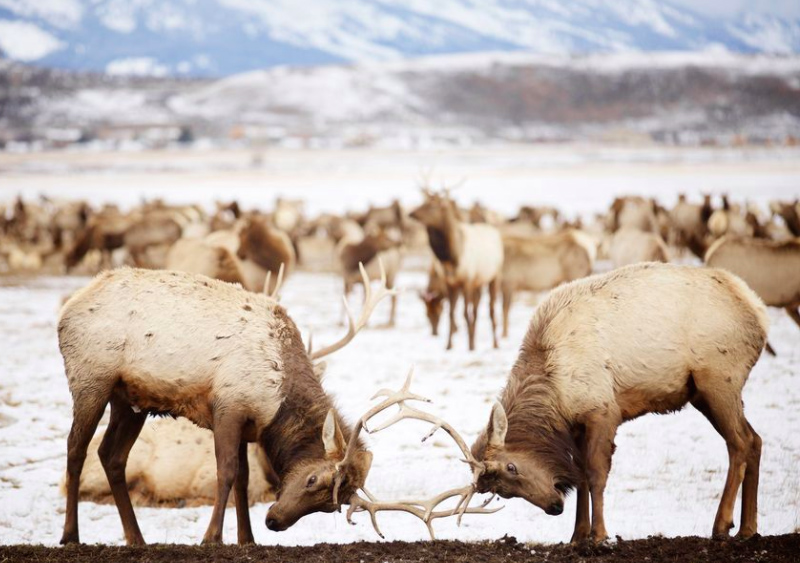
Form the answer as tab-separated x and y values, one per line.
785	8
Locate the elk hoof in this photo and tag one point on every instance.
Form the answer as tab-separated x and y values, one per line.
68	539
745	535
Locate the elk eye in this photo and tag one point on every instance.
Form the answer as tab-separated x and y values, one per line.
311	481
512	468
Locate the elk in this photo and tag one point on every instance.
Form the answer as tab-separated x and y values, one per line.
730	220
690	224
471	255
606	349
630	246
265	246
771	269
155	342
790	213
633	212
543	262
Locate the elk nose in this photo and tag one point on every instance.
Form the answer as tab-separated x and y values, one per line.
272	524
555	509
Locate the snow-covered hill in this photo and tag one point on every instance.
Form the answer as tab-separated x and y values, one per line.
222	37
470	98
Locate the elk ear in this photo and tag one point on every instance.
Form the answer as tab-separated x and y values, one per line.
498	425
332	437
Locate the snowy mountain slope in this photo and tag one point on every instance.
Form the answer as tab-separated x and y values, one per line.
222	37
476	98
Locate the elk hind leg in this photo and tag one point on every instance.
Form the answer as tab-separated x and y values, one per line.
723	408
123	429
88	408
749	523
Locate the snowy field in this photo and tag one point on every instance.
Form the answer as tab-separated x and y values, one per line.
668	471
579	179
667	475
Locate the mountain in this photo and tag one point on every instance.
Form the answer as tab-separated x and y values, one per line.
224	37
485	98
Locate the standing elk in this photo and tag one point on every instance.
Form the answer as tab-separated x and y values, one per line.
543	262
771	269
606	349
471	255
154	342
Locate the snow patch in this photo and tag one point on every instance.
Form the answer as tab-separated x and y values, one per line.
26	42
137	66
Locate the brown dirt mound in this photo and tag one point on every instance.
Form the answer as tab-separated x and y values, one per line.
770	549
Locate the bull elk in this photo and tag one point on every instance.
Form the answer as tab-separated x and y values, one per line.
153	342
471	255
606	349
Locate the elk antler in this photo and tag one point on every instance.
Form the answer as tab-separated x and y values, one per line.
370	302
278	283
425	510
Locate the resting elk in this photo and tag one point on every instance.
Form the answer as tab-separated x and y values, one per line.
602	350
471	255
155	342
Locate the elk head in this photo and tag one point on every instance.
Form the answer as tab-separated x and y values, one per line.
309	486
333	468
543	475
434	307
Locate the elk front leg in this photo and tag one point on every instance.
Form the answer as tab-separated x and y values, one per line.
244	530
600	434
227	437
582	513
508	296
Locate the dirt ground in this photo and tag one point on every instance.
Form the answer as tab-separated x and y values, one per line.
768	549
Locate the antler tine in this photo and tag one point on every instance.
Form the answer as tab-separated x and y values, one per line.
278	283
371	300
424	510
392	398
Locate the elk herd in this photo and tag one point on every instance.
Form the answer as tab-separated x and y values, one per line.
183	319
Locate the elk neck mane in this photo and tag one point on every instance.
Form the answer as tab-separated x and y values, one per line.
446	238
535	422
295	433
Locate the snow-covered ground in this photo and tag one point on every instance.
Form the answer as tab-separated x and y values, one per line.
667	476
